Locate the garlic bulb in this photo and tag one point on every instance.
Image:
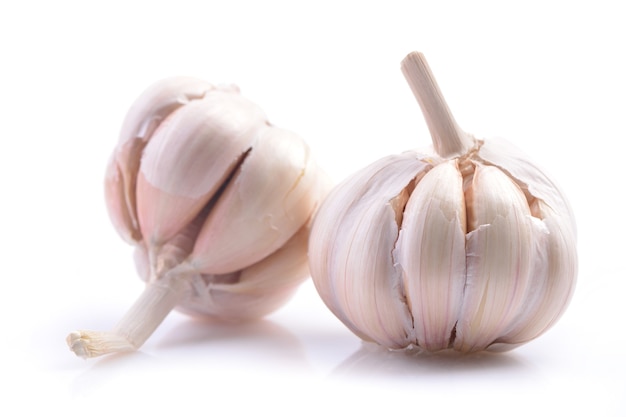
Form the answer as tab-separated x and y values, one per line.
217	202
469	248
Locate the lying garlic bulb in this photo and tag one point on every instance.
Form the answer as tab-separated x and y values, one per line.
470	248
217	202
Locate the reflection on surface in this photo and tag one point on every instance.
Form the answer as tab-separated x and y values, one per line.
372	360
222	351
263	339
107	369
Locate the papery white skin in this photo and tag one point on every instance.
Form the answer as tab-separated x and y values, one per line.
470	248
145	115
218	204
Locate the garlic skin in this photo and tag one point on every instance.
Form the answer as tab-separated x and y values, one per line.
218	204
470	247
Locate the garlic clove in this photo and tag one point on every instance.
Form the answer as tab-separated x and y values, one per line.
351	245
191	154
499	258
156	103
255	290
533	181
431	253
120	197
555	264
268	199
552	286
153	106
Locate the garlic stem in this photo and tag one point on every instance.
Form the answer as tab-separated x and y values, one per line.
448	138
139	322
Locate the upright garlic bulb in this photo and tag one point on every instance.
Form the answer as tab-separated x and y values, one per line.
470	248
216	201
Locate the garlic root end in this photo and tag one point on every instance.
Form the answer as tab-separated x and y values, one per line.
90	344
139	322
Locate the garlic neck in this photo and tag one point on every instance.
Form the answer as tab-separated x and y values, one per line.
139	322
449	140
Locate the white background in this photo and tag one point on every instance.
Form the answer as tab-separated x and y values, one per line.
547	75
